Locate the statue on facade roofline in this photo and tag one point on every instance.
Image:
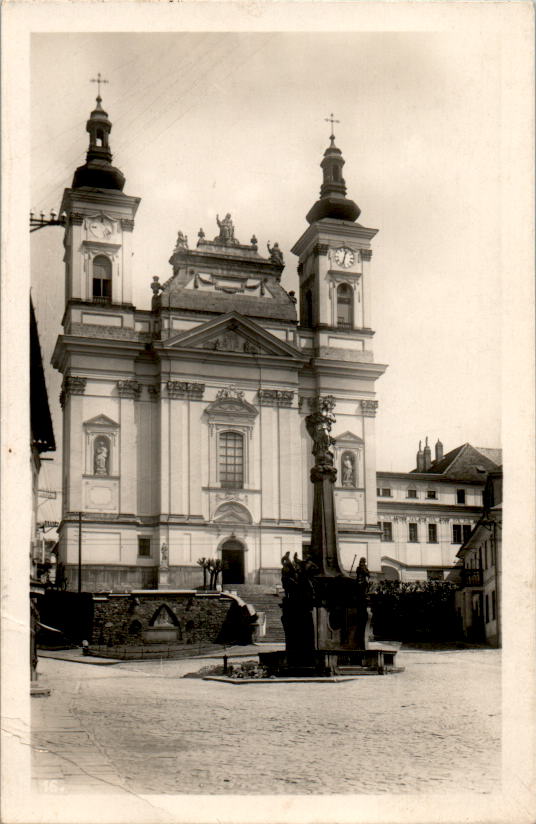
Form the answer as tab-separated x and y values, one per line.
182	242
226	228
276	255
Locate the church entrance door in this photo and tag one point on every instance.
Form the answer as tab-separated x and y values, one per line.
232	556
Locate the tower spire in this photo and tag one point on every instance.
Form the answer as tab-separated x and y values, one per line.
333	202
98	172
331	120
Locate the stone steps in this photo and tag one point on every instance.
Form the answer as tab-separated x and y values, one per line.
263	599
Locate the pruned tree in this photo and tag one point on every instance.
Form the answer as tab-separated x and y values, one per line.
204	563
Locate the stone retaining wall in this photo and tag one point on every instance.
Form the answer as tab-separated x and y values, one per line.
122	619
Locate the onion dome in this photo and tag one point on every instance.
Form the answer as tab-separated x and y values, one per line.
98	172
333	202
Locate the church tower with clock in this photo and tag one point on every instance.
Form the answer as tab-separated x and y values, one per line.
334	274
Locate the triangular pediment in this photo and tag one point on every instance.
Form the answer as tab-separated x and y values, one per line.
348	439
101	420
233	333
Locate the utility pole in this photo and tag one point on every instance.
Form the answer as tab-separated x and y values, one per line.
79	552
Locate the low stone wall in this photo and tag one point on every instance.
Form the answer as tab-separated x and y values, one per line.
123	619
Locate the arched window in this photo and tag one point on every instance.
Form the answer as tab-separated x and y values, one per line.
102	278
345	303
101	455
231	459
100	137
335	174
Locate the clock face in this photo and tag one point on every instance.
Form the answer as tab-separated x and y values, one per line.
344	257
101	228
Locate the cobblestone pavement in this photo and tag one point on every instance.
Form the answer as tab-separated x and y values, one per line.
141	727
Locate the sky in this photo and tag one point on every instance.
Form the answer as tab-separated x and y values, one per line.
212	122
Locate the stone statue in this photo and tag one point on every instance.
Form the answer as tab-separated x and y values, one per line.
182	242
276	255
101	459
226	228
164	556
348	473
362	577
156	286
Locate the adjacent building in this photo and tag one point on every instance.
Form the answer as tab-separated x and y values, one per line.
42	440
427	514
479	598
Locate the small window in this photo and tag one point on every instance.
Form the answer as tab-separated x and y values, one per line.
432	533
345	312
431	494
102	279
456	533
493	605
460	496
144	547
387	531
413	534
384	493
434	574
232	460
412	493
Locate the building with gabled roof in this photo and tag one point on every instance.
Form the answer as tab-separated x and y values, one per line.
428	513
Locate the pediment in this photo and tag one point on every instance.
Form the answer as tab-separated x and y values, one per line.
349	439
233	333
231	402
101	420
232	513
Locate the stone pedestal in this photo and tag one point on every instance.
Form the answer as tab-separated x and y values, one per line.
163	578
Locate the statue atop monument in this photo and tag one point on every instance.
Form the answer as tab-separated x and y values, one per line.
226	227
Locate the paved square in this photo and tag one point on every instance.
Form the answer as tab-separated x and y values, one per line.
142	727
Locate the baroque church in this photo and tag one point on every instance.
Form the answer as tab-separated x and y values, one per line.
184	425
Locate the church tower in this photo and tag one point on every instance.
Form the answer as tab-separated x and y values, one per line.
335	325
99	225
97	355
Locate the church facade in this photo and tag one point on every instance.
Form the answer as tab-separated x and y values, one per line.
184	425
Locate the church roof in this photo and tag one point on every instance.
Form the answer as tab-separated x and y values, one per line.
465	463
223	275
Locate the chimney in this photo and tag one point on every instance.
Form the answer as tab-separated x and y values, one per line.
438	451
420	458
427	455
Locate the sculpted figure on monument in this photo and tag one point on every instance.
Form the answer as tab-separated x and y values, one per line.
362	577
164	556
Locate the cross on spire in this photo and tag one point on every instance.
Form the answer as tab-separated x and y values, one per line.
331	120
98	80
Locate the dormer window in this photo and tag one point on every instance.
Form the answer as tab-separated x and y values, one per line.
412	493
